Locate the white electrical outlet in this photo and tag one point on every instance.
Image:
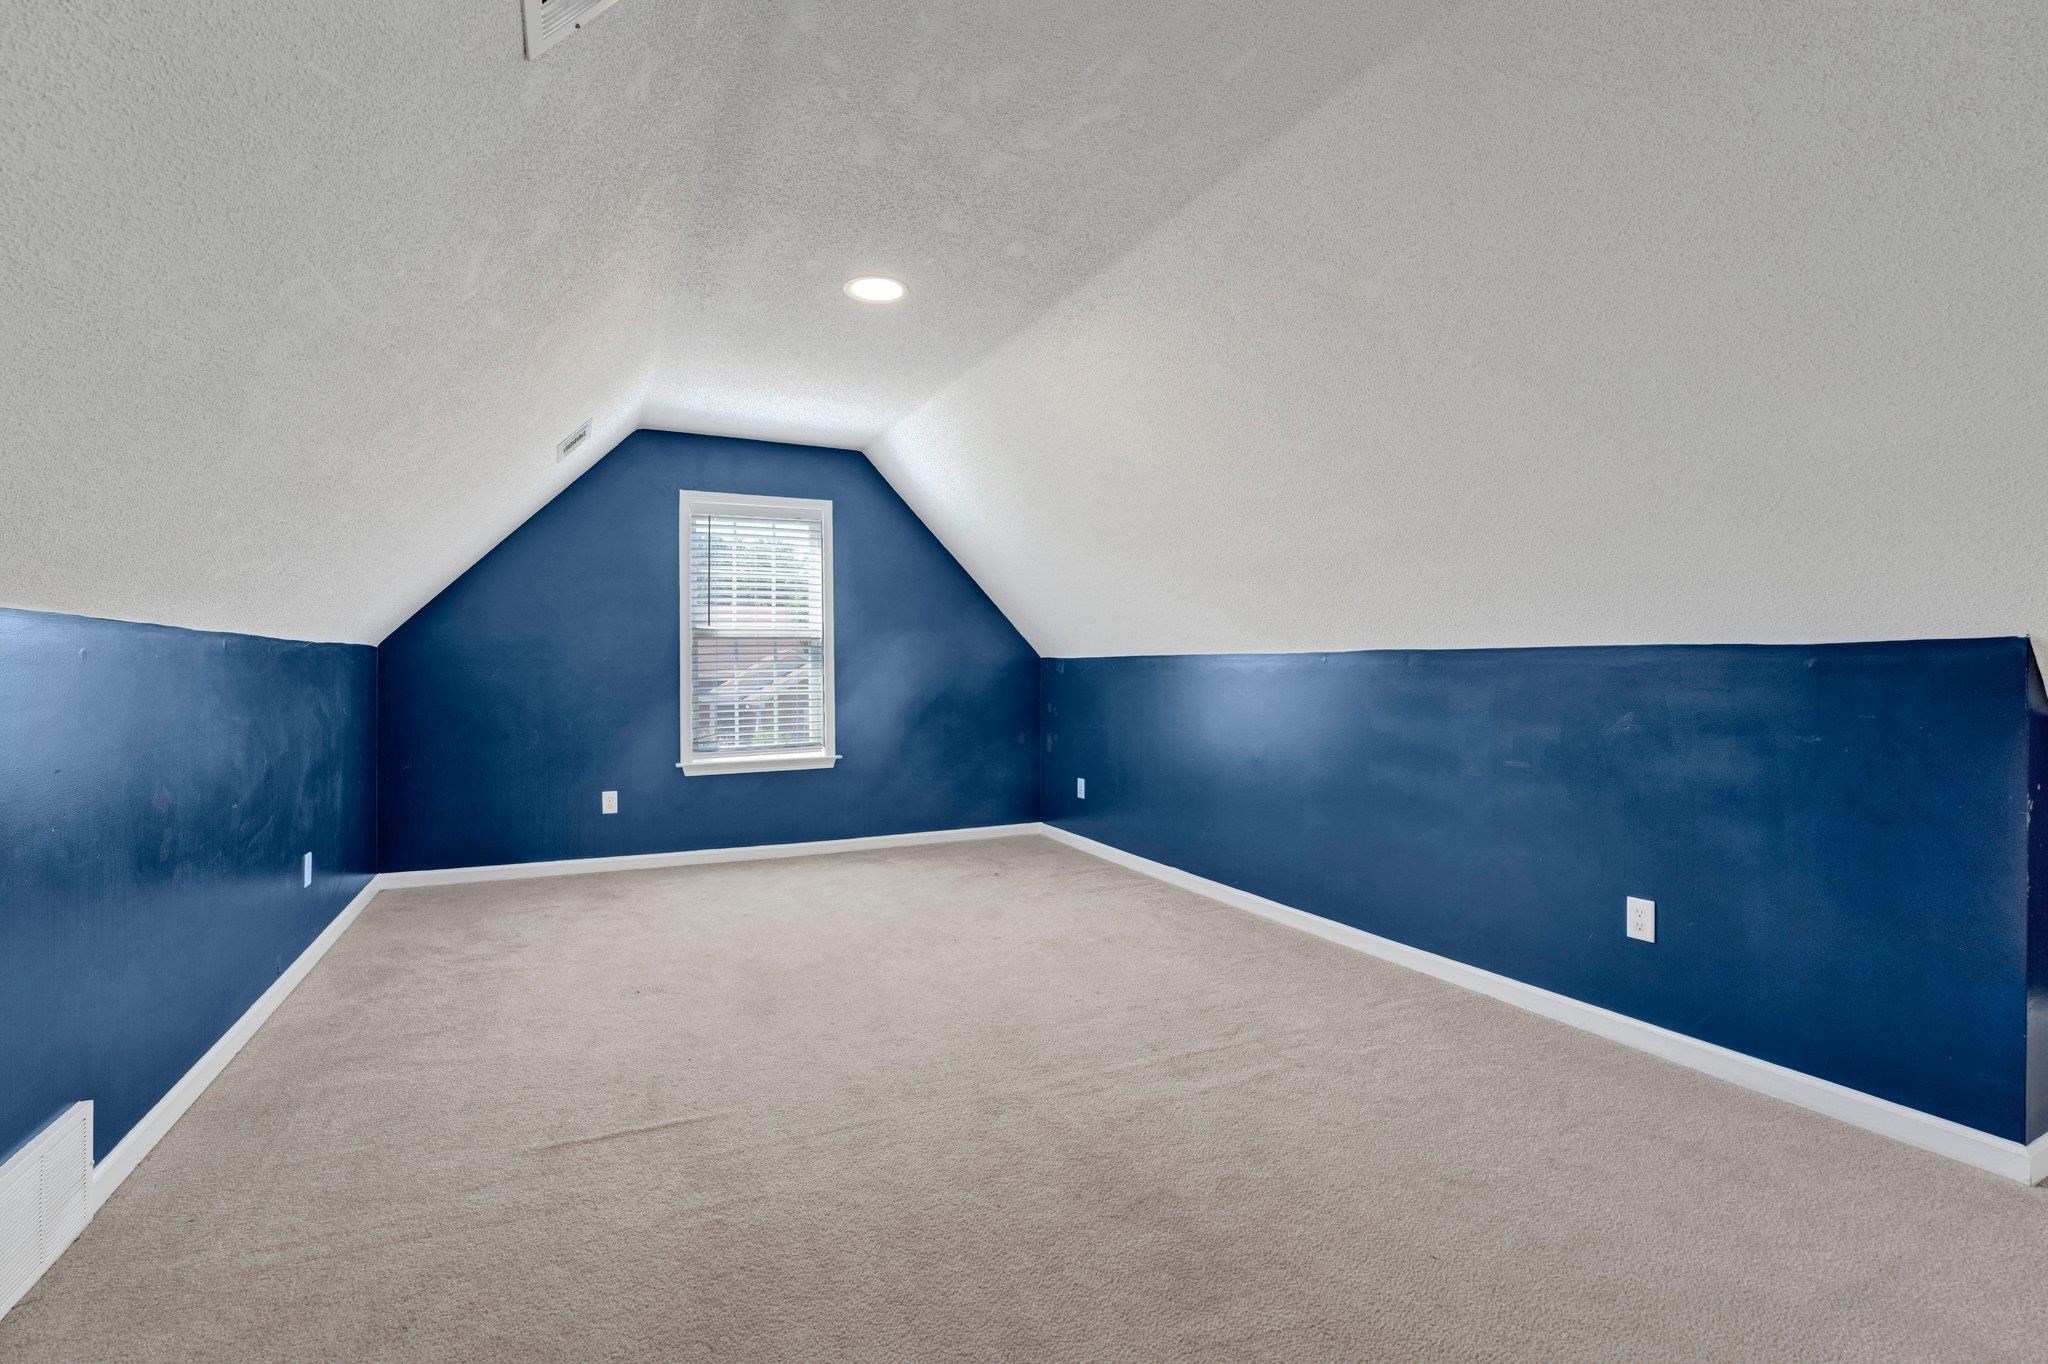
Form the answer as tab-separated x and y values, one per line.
609	802
1642	919
306	870
1080	788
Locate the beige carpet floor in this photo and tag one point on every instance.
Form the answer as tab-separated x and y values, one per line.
985	1101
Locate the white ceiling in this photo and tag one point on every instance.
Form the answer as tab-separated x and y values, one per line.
1233	325
1571	323
297	298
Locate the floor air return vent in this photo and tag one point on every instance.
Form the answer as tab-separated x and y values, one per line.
45	1200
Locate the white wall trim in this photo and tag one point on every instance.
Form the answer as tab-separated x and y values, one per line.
143	1137
576	866
817	511
2000	1156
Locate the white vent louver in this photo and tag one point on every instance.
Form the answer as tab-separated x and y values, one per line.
45	1200
570	443
550	21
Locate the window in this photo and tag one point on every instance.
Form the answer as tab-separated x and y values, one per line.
757	634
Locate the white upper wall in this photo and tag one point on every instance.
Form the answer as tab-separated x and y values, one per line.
1570	323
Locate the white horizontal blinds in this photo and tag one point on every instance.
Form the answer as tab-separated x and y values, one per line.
757	633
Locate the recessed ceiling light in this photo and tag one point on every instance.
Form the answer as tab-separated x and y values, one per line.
874	289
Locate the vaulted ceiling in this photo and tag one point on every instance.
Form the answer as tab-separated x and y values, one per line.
1233	325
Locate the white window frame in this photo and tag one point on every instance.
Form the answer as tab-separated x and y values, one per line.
696	764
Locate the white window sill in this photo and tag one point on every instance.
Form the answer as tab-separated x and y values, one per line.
756	762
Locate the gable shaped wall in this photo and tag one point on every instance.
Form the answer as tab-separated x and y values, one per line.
548	673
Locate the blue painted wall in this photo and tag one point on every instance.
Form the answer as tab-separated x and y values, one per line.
2037	929
1836	837
549	673
157	790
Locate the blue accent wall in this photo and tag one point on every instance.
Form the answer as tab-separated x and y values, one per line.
157	790
550	672
2037	927
1836	837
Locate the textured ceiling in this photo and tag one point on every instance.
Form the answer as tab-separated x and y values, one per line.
1569	323
1233	325
297	298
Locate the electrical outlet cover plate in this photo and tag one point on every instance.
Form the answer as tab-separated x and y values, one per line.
1642	919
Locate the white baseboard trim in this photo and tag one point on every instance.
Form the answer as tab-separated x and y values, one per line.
2000	1156
143	1137
577	866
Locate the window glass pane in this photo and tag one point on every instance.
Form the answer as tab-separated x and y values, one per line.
757	633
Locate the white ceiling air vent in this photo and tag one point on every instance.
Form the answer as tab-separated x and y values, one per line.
572	442
550	21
